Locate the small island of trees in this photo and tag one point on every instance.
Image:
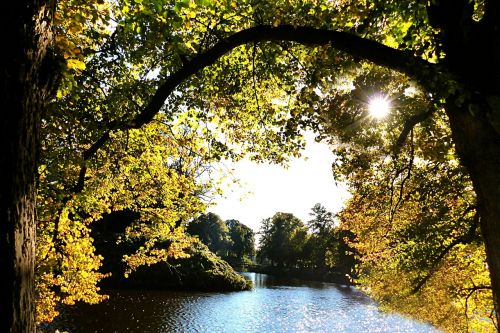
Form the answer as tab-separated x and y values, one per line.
231	240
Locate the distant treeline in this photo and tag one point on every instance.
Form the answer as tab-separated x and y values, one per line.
285	241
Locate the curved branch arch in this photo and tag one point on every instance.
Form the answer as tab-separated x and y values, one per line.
424	72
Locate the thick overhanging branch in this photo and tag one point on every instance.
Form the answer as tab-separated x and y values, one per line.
423	72
410	123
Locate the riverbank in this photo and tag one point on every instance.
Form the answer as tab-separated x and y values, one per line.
309	274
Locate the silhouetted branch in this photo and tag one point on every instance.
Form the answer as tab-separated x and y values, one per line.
408	168
254	78
410	123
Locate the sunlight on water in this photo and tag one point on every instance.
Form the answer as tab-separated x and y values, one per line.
273	306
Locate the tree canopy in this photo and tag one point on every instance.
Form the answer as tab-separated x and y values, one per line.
414	214
282	240
231	240
322	220
145	95
243	239
328	248
212	231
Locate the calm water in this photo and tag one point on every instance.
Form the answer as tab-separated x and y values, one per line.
274	306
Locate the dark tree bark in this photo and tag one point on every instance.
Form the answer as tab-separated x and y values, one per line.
26	85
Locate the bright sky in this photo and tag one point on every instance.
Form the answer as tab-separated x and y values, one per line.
272	188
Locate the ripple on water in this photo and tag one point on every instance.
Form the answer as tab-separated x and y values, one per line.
273	306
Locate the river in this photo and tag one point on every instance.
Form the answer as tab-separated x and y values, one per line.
275	305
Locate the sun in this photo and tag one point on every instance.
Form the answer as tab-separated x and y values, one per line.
379	106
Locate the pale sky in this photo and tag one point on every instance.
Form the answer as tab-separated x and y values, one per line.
276	189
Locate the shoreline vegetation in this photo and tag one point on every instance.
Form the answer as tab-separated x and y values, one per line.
306	274
201	271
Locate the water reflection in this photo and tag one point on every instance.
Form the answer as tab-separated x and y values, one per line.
275	305
273	282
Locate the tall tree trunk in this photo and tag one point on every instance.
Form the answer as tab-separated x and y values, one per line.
477	142
26	81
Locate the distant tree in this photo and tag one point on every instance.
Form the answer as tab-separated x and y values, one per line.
265	242
322	219
298	245
283	238
323	238
212	231
242	238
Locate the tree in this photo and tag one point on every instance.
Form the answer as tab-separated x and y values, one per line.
243	240
213	232
329	246
283	238
322	219
228	239
414	214
345	257
323	239
450	48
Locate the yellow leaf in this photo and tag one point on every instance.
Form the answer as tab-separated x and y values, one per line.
76	64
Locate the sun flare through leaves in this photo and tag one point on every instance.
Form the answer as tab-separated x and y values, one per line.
379	106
